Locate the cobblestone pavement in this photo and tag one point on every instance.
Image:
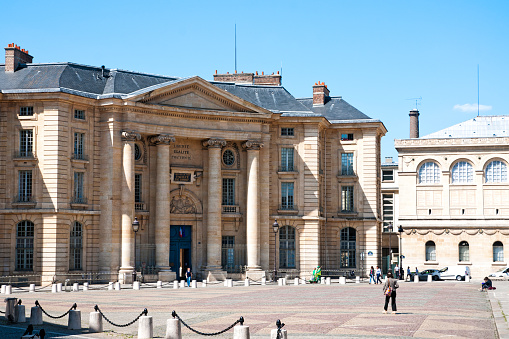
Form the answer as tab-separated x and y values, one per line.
425	310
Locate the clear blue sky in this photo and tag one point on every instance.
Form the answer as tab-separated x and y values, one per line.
375	54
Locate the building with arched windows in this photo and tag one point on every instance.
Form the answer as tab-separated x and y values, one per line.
454	196
205	167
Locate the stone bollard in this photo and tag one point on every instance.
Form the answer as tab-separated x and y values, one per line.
36	315
19	310
110	286
273	334
117	286
159	284
342	280
204	283
264	281
59	287
175	284
32	288
194	284
296	281
136	285
246	282
322	280
430	278
225	283
467	278
230	282
74	320
327	281
173	329
145	327
3	289
182	283
416	278
357	279
54	288
85	286
280	282
241	332
75	287
95	323
8	289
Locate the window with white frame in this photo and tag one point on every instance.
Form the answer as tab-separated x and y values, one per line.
25	246
347	199
78	194
76	247
228	191
388	210
347	247
498	251
25	186
287	196
496	171
287	247
431	254
26	143
429	173
286	159
464	251
347	164
388	175
462	173
79	144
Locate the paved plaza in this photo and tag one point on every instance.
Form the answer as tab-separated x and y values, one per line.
425	310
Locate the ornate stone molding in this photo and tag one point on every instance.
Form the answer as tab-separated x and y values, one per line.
451	141
163	139
181	204
214	143
130	136
252	144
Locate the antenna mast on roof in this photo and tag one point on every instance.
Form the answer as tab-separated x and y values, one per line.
235	47
477	89
417	101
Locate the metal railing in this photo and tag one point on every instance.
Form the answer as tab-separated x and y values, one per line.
230	209
27	199
79	200
288	207
287	168
78	156
140	206
24	155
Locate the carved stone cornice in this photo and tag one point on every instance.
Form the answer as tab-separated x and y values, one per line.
130	136
252	145
214	143
162	139
451	141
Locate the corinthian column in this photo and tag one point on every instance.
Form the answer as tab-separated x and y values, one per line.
214	209
162	215
252	205
127	205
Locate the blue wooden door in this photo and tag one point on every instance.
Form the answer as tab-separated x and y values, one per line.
180	249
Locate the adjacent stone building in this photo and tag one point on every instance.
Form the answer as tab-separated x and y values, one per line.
205	167
454	195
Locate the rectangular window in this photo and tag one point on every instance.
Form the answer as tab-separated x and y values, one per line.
287	159
79	196
287	196
76	247
79	114
287	131
347	164
387	175
79	139
25	246
26	143
228	253
26	111
347	137
388	210
25	186
347	199
228	191
137	188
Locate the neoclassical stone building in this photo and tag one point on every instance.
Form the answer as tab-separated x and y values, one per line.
205	167
454	196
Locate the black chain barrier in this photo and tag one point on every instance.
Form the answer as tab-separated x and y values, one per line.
241	321
43	287
279	325
148	285
73	307
97	309
98	287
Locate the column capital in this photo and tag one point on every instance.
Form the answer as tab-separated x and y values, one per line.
162	139
252	145
130	135
214	143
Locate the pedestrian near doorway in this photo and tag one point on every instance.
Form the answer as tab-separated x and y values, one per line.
389	288
189	275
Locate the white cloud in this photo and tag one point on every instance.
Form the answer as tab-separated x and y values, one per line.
472	108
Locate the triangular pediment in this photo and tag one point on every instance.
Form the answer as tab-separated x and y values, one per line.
196	93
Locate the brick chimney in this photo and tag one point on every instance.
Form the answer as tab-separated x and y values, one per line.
414	123
320	94
250	78
14	56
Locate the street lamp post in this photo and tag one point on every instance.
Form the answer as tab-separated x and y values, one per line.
275	229
400	230
136	227
390	228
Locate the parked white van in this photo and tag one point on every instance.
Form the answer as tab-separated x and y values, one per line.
455	272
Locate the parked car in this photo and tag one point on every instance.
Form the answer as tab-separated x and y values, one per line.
501	273
455	272
423	275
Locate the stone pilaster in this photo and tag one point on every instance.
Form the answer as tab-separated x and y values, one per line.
252	205
127	204
213	267
162	215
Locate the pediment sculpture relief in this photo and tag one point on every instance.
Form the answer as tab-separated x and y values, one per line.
181	204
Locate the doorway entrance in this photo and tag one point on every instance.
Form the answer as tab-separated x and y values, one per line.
180	249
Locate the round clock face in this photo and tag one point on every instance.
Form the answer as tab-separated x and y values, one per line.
228	157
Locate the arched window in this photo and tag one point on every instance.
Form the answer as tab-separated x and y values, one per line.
347	247
431	254
464	251
498	251
25	246
287	247
462	173
429	173
496	171
76	247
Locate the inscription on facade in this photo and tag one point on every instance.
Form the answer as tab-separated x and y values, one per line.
181	152
182	177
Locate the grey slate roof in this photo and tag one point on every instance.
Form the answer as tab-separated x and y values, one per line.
335	109
479	127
